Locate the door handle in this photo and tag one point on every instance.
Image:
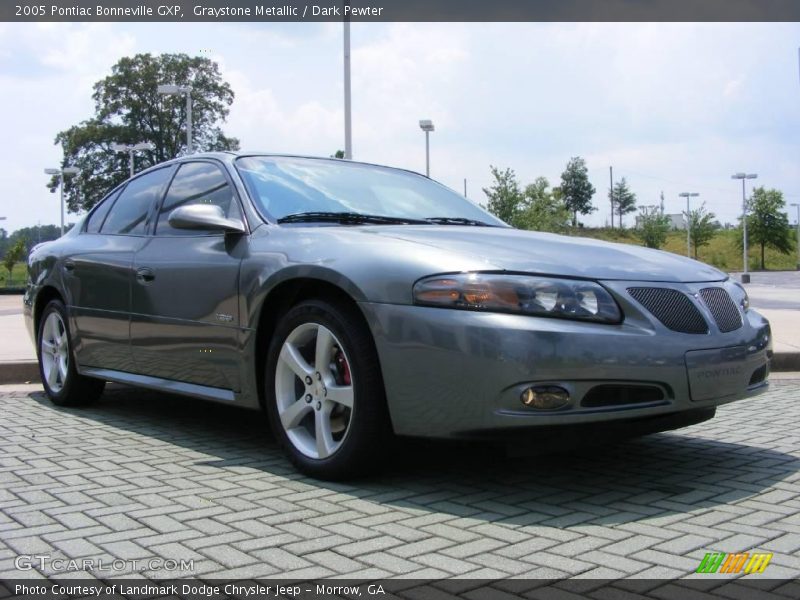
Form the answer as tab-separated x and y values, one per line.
69	265
145	275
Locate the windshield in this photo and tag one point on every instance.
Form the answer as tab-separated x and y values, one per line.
291	186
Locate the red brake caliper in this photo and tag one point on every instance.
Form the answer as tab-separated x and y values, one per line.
342	368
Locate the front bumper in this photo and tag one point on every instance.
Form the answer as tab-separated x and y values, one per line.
456	373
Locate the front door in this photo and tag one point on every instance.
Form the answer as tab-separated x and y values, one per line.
185	305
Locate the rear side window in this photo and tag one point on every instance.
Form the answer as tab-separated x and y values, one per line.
99	215
196	183
129	214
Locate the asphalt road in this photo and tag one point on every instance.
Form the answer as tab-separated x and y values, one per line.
774	290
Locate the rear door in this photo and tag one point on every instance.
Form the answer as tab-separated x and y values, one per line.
185	309
99	275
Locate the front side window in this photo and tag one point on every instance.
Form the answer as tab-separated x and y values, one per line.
128	216
196	183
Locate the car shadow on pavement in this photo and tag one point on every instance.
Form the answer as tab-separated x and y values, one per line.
659	476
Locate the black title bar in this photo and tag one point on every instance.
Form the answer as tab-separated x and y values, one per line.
401	10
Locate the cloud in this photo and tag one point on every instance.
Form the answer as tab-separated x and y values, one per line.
670	106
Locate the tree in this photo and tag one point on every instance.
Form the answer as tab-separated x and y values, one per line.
129	109
543	209
767	224
12	256
339	154
702	227
653	227
505	197
576	190
624	199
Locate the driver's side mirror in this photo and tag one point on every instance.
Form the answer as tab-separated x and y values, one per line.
204	217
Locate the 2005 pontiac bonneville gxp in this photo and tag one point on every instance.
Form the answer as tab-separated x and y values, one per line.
353	302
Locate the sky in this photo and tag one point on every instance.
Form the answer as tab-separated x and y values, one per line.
672	107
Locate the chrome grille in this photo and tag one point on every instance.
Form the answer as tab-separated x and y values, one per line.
722	309
673	308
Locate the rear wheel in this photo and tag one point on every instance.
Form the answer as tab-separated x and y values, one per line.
324	391
62	382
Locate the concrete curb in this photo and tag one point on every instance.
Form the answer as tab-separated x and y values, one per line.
22	371
785	361
27	371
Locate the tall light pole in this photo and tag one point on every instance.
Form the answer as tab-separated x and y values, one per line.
61	173
130	149
427	126
797	206
743	176
688	195
348	123
173	90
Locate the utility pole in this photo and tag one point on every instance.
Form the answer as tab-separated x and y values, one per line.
797	206
348	124
688	195
611	193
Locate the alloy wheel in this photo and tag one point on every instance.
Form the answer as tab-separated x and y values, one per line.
54	351
314	390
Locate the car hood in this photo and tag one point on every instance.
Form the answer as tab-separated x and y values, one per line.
546	253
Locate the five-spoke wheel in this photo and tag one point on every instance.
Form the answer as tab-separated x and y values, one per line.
54	351
62	382
314	390
324	390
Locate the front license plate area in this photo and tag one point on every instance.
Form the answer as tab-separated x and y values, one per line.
717	373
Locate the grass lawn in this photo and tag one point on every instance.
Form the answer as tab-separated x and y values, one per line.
18	275
722	251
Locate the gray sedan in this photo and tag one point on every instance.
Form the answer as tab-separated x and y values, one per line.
354	302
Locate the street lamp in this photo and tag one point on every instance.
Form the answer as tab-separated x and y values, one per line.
797	206
743	176
130	149
173	90
688	195
427	126
61	173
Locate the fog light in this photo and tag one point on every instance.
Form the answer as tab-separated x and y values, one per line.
545	397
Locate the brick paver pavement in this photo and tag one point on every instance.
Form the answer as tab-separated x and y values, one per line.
145	476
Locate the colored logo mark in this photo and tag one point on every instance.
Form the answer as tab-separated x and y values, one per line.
722	562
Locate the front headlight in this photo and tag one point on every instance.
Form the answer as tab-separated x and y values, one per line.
522	294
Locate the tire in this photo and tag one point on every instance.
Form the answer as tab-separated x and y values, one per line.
329	415
62	382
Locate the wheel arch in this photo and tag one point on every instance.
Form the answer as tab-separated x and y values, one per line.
43	298
287	293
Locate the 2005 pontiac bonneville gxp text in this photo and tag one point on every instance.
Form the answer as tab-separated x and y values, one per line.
353	302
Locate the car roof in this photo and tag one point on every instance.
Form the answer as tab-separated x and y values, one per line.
229	156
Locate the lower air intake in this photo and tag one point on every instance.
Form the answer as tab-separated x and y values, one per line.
620	395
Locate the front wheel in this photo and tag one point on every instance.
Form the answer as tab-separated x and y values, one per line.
62	382
324	391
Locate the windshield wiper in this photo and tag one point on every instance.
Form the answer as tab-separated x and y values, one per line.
457	221
349	218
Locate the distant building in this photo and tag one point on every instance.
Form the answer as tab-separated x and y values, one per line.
676	221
